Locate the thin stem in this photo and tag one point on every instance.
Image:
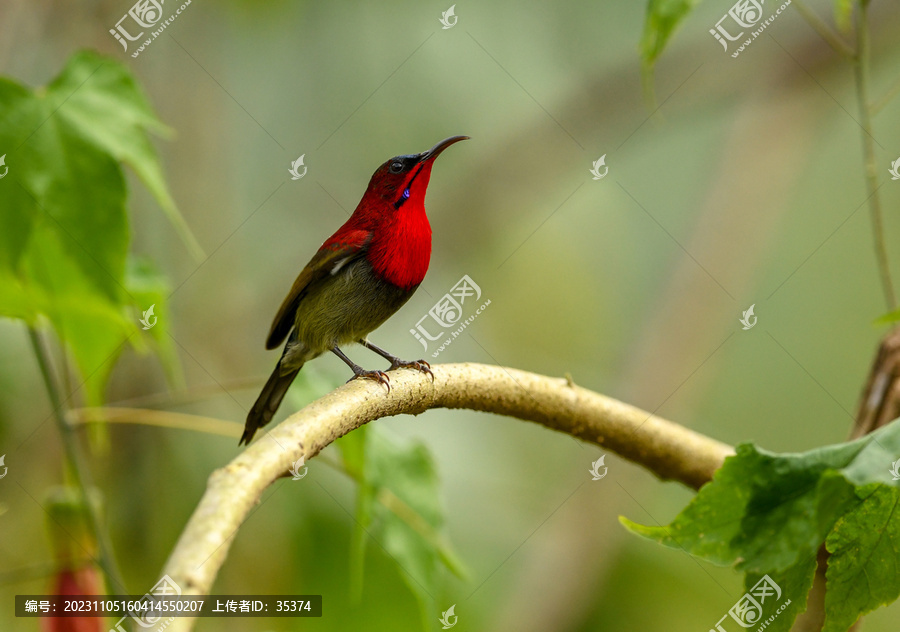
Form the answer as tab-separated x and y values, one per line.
78	469
158	418
861	72
819	26
187	396
878	106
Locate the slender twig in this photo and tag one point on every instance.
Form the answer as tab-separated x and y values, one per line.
663	447
78	469
860	59
187	396
892	92
861	73
158	418
825	32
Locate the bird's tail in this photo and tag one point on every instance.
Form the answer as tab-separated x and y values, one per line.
268	401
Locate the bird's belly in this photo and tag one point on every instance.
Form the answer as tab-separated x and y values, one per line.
346	307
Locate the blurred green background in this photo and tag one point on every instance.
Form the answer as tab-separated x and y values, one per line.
744	187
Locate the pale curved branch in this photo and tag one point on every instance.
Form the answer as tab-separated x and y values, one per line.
667	449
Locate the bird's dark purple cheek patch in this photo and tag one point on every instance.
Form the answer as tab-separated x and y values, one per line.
405	195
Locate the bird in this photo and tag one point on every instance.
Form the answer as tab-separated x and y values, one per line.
360	276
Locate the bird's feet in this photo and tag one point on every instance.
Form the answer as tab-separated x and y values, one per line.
378	376
397	363
418	365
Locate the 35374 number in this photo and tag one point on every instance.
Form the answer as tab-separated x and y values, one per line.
292	606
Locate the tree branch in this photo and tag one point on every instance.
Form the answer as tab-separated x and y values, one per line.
667	449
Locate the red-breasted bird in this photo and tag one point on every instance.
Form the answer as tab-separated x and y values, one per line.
359	277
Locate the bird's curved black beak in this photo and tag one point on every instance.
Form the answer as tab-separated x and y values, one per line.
435	151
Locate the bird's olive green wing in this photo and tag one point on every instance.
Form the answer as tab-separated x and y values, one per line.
327	261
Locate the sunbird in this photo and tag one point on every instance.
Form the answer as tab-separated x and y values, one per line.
359	277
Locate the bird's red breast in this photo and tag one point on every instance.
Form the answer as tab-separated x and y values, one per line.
401	254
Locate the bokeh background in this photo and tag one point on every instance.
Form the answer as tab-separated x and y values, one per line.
744	186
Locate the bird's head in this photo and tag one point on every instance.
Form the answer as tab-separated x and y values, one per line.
403	180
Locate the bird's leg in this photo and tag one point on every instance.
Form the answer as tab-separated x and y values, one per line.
379	376
397	363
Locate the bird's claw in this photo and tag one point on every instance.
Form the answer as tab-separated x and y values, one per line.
418	365
378	376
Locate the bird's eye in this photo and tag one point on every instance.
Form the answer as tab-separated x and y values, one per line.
396	167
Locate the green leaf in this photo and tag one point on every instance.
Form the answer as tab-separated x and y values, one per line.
864	567
116	116
20	212
406	469
149	288
90	323
660	22
64	229
843	11
407	518
68	522
794	584
888	319
353	454
769	513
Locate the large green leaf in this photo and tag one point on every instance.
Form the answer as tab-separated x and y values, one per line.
116	116
64	229
92	325
769	514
